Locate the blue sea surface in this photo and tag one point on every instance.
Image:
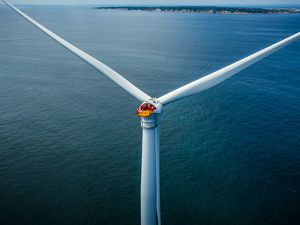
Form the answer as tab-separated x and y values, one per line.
70	143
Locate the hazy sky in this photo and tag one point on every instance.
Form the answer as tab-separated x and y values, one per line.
159	2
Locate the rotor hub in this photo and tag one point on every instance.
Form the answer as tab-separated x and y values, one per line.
149	112
149	107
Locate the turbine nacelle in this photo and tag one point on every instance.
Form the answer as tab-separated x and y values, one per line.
149	112
149	107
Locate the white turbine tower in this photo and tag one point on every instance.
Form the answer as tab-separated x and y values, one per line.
151	109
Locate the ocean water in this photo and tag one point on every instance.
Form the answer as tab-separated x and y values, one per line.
70	143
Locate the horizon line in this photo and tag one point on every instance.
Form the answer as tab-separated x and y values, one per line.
83	4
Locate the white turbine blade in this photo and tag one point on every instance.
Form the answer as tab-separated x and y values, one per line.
223	74
107	71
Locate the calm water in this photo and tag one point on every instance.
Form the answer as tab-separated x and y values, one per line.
71	144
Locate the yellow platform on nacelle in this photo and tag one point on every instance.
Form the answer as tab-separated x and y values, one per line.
144	113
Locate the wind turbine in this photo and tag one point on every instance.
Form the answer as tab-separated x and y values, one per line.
151	109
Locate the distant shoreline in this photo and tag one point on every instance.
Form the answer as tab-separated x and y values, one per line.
204	9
